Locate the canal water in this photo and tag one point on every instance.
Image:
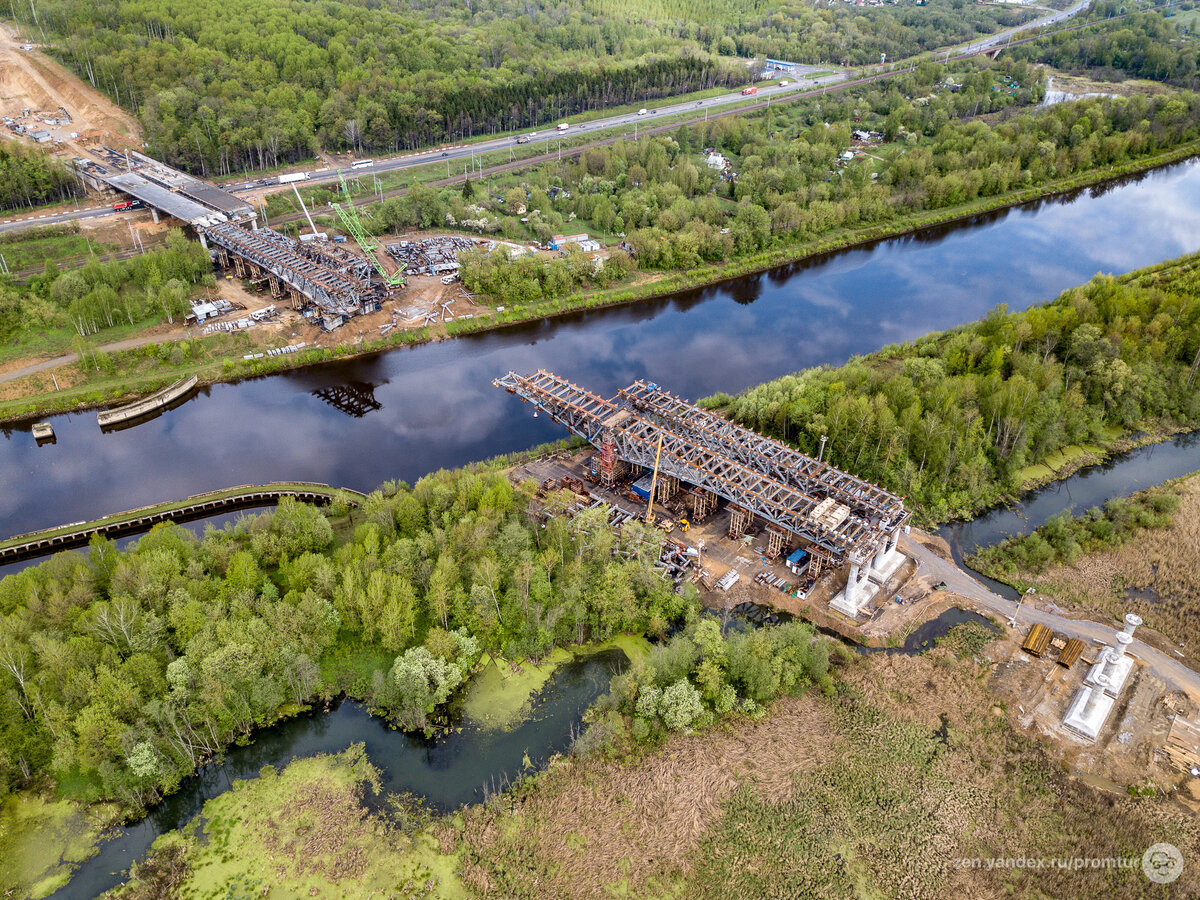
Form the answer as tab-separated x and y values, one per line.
459	768
422	408
1118	476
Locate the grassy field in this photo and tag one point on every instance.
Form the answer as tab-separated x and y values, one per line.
304	831
24	249
879	792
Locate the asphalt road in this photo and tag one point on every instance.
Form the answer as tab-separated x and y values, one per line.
804	80
1170	671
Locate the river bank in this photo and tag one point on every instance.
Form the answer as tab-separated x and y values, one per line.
145	374
463	764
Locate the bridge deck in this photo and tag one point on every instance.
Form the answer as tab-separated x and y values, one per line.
160	198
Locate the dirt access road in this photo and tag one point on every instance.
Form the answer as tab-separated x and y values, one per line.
1170	671
30	80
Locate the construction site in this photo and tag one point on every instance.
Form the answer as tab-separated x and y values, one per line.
736	507
1116	724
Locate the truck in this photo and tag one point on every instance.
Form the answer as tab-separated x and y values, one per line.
563	126
748	91
295	176
642	112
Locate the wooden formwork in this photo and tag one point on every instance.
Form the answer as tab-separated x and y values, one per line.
1037	640
1070	652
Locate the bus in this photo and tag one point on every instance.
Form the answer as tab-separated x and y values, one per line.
362	163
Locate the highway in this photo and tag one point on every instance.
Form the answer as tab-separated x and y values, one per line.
805	81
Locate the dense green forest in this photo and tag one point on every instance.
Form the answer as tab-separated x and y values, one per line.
225	86
103	294
951	419
29	177
1143	45
121	671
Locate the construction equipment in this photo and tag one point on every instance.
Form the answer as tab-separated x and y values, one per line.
684	525
654	483
348	213
305	209
349	216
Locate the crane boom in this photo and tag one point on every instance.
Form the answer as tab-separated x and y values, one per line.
654	483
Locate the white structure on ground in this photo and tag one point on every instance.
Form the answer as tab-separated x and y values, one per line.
868	575
1103	683
1090	708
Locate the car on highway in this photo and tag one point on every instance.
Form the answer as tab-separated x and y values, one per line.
445	153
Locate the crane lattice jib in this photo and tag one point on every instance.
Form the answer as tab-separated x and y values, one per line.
764	454
349	216
634	438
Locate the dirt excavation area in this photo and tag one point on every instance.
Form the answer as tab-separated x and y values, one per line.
31	81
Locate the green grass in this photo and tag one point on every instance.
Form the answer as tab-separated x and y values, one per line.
40	843
499	695
28	249
302	832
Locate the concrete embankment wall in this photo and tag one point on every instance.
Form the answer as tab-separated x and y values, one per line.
148	405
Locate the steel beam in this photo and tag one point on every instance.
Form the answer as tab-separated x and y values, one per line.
695	455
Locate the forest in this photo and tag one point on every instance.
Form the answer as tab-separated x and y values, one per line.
951	419
29	177
1144	45
945	139
1064	538
100	295
222	87
121	671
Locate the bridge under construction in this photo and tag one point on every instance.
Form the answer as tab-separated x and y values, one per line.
330	283
832	513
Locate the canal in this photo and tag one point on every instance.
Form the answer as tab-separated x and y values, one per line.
433	406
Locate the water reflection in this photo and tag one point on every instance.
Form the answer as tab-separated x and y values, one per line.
438	408
354	399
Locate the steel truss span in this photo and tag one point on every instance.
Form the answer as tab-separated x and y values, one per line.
827	507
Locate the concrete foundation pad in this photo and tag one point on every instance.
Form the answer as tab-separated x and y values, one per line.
1116	678
867	589
1084	722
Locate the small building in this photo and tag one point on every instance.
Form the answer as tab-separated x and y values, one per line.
559	241
42	137
798	562
202	311
716	161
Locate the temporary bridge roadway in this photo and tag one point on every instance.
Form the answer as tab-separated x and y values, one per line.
331	282
849	519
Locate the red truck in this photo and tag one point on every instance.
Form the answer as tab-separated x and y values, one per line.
749	90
